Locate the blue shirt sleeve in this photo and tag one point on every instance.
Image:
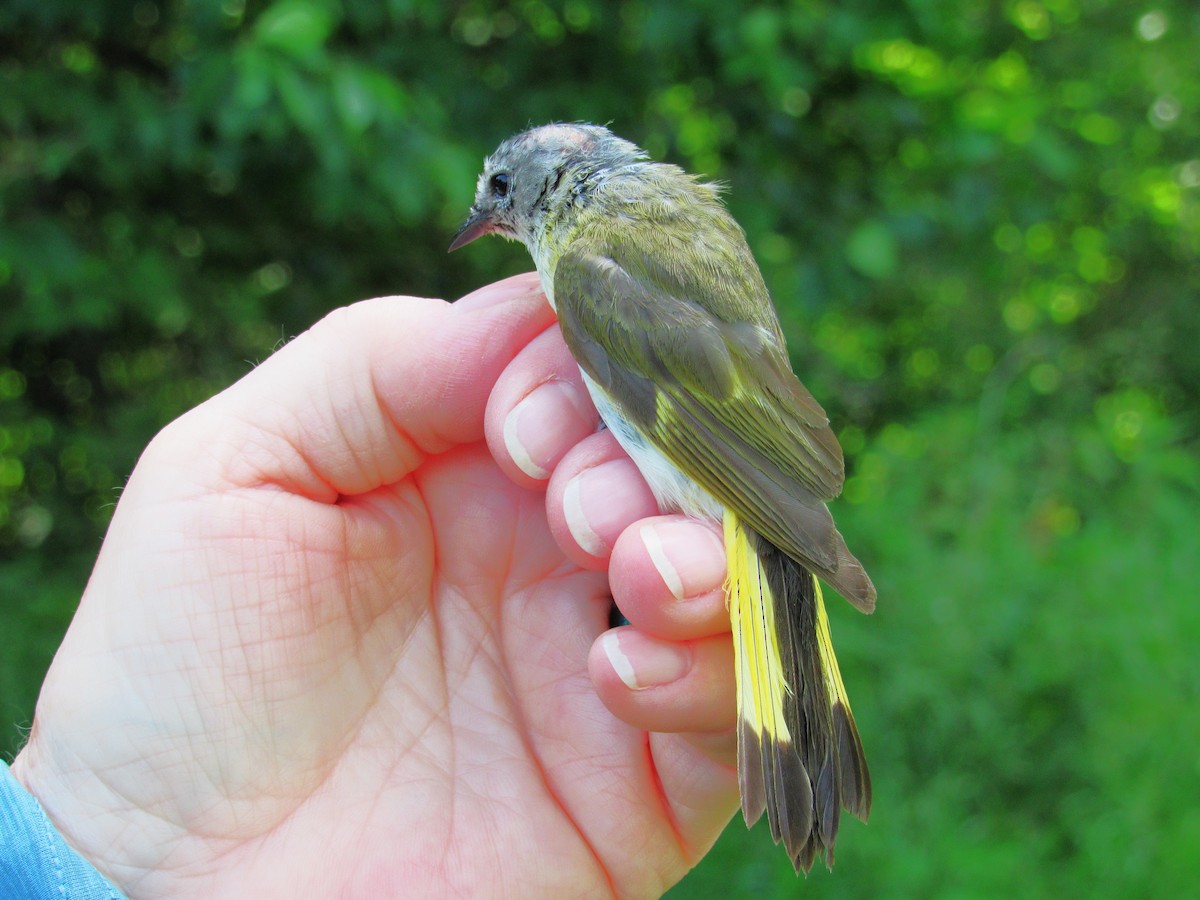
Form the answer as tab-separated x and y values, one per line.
35	861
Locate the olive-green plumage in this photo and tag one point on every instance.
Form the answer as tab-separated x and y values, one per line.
663	307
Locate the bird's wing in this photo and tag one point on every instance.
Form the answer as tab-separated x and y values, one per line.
716	397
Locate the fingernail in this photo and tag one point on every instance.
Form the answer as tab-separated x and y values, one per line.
599	500
541	428
585	536
689	557
642	664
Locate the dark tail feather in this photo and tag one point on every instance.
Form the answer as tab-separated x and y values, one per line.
805	763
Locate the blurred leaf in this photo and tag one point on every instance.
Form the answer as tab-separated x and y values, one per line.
298	27
871	249
355	97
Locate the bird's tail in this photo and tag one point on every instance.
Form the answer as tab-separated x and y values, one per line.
799	754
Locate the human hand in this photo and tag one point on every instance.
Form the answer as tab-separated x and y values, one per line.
344	636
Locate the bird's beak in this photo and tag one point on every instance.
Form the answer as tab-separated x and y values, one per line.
477	225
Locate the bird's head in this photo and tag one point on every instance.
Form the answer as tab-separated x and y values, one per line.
536	172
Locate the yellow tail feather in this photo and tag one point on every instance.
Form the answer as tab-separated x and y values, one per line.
799	755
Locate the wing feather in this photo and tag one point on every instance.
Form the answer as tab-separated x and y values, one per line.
712	389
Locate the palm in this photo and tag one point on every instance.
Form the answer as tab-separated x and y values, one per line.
441	682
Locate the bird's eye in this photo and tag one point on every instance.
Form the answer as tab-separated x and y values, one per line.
500	184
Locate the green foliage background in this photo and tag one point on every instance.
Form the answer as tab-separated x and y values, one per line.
980	221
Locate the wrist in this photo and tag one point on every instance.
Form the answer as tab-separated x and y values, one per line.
35	859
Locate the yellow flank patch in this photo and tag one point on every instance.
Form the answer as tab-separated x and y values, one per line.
761	682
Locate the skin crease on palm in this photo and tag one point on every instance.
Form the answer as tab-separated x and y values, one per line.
344	636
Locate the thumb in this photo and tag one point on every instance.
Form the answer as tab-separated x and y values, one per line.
361	398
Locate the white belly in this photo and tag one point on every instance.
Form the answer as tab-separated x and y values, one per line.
674	491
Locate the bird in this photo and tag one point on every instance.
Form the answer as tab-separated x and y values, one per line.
664	309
